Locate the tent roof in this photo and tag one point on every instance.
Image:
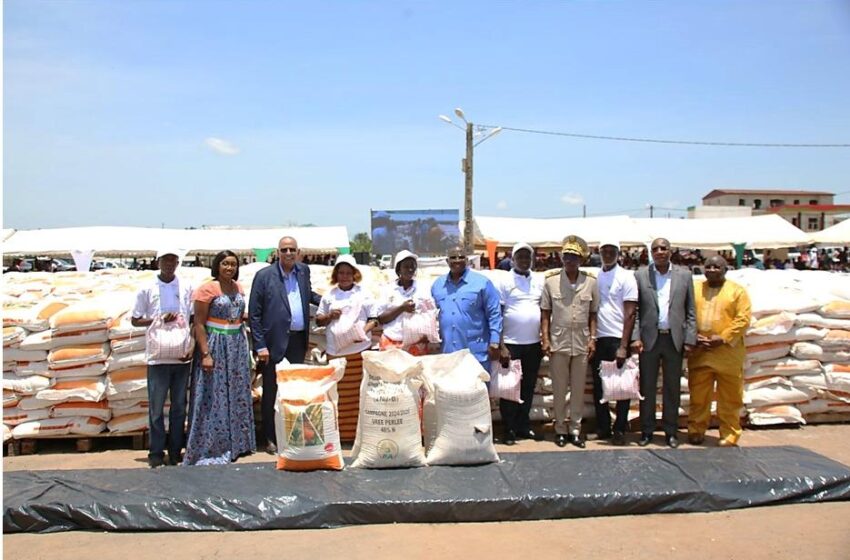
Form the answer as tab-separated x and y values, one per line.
839	234
107	240
757	232
550	232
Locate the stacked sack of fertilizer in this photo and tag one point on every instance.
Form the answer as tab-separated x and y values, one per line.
798	345
72	362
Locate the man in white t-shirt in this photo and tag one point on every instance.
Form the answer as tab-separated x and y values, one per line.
618	296
520	295
170	298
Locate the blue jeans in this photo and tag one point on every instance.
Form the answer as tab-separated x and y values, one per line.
162	380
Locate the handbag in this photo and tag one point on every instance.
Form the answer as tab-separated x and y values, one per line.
619	384
505	382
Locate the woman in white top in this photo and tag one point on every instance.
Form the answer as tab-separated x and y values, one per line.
346	312
399	300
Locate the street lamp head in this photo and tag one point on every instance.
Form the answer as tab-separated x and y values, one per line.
445	119
495	131
459	113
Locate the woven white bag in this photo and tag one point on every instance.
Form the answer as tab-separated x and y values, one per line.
505	382
620	383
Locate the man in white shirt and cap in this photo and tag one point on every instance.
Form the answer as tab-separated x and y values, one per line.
615	321
520	295
165	300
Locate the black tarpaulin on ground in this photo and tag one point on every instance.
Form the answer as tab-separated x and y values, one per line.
523	486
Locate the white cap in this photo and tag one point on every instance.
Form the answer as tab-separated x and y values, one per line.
522	245
179	253
609	241
404	254
345	259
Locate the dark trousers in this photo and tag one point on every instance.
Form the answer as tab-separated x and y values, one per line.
167	380
296	350
606	351
670	359
515	415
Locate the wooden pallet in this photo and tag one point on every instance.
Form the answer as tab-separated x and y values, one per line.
84	444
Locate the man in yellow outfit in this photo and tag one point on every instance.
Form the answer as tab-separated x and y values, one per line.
723	315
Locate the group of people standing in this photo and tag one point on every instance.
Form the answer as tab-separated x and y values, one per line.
573	317
577	319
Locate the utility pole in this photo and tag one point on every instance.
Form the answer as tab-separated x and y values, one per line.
468	225
466	166
651	208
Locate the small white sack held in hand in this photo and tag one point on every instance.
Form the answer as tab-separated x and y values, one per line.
620	384
505	382
347	330
421	324
168	341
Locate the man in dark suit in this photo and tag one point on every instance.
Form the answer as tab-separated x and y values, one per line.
666	331
279	311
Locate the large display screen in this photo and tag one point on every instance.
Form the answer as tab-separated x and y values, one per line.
425	232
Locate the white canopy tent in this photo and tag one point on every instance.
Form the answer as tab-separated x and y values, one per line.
754	232
550	232
137	241
839	234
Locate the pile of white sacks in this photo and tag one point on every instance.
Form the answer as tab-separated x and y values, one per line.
73	364
798	346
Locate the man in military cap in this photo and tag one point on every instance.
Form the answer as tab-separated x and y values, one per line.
568	326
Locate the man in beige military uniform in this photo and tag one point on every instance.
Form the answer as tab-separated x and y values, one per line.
568	326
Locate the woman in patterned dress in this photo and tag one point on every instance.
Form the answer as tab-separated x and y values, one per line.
221	414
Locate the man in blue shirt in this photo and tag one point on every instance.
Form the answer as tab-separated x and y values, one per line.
470	310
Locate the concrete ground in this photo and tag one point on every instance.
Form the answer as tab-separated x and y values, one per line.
816	531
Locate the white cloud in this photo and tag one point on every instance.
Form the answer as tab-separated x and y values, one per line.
572	199
222	147
502	204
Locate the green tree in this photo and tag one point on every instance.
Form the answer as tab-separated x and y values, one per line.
361	243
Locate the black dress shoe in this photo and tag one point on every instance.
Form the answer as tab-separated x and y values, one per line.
577	441
672	441
530	434
645	439
561	440
509	438
156	461
603	436
619	438
175	460
271	448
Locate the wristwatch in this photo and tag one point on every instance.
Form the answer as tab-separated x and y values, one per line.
204	354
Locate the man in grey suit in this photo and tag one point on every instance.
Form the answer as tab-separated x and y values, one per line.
666	331
279	312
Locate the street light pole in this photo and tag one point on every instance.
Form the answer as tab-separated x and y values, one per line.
468	226
484	133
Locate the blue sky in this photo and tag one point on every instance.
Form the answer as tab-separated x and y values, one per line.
182	113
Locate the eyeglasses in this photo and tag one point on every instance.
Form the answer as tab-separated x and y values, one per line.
660	248
456	257
287	250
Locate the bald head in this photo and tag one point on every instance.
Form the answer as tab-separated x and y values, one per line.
715	271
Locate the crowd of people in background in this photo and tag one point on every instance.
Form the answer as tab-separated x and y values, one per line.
833	259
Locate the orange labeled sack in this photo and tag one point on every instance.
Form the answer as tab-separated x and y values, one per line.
306	421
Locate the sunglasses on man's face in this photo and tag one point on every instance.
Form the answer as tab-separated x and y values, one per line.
288	250
456	257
